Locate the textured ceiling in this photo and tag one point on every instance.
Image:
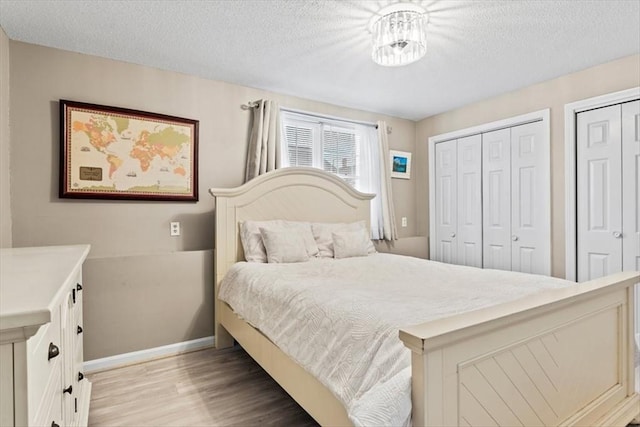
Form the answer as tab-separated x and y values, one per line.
320	49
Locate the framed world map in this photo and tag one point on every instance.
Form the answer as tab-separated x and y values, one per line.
117	153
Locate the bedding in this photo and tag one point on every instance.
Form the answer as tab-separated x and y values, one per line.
348	244
339	318
252	241
283	246
323	235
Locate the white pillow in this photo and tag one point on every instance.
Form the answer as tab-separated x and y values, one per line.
347	244
284	246
254	250
323	233
251	239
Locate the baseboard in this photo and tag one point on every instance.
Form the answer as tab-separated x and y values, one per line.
120	360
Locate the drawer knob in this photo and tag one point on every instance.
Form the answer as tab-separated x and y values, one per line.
54	424
68	389
80	376
54	351
78	286
79	329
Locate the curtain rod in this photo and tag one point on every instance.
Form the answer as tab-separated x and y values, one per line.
250	105
328	117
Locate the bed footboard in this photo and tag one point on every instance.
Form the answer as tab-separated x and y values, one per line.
562	357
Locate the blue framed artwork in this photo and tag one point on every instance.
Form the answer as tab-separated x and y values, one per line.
400	164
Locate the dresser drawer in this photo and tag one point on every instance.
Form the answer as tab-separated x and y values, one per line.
44	359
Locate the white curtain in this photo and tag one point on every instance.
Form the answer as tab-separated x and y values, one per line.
386	219
264	144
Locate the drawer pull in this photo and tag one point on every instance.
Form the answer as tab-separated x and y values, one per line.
73	295
54	351
80	376
79	329
78	286
54	424
68	389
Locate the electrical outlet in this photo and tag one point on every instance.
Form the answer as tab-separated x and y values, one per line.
404	221
175	228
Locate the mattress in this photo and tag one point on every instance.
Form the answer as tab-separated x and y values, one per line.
339	319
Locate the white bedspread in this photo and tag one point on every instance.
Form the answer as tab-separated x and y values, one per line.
339	319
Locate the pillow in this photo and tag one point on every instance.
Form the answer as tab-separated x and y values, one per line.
304	229
322	233
347	244
284	246
251	239
254	250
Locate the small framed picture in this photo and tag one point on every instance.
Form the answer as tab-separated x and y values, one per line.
400	164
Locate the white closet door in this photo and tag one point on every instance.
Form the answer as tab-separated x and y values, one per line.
469	234
446	201
530	204
631	186
599	177
496	195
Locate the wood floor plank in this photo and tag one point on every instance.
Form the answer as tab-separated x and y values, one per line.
202	388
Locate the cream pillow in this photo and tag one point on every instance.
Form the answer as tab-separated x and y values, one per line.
347	244
251	238
323	234
284	246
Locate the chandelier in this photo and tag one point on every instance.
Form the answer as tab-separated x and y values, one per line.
399	35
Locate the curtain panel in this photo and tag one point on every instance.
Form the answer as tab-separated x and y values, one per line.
387	218
264	143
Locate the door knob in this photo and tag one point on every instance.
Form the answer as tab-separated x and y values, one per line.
617	234
514	238
453	235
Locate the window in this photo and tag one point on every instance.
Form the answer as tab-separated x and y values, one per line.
347	149
334	146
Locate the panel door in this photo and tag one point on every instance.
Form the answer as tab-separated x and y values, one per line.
631	186
446	201
496	199
530	201
599	192
469	175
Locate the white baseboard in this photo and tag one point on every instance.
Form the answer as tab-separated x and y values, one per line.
124	359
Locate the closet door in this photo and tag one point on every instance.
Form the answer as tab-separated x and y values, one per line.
446	201
496	199
530	204
469	234
631	186
599	191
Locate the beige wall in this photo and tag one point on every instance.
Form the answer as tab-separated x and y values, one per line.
146	289
554	94
143	288
5	194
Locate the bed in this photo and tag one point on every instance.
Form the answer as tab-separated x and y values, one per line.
447	354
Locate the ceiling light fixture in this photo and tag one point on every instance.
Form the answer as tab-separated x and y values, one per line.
399	34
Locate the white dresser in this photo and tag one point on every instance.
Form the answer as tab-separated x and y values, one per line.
41	378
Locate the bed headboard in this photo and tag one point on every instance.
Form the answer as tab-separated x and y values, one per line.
294	194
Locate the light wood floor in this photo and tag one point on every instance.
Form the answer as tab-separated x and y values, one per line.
203	388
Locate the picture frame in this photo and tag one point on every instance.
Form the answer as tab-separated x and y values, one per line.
400	164
124	154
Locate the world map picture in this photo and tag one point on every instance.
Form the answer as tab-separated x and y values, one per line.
115	153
